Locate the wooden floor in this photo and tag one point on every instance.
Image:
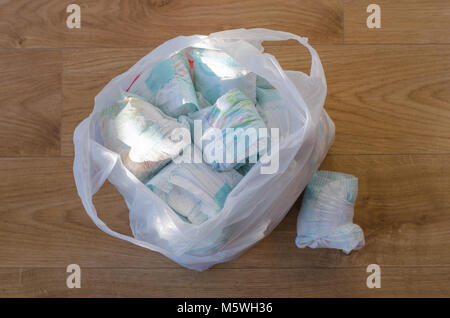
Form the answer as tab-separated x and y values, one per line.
389	95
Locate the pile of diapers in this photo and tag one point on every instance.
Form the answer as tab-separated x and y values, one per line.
189	129
153	127
184	128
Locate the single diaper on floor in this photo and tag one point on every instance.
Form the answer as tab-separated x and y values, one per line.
143	135
169	86
215	73
326	215
229	136
194	191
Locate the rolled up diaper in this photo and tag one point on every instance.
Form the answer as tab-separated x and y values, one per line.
168	85
230	135
215	73
145	138
326	215
194	191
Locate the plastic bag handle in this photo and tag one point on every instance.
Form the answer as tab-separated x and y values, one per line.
86	188
259	35
255	37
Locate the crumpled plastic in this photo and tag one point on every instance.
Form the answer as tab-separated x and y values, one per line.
169	86
271	107
261	82
326	216
216	73
143	135
193	191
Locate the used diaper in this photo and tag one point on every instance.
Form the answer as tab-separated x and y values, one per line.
145	138
169	86
194	191
215	73
326	215
237	121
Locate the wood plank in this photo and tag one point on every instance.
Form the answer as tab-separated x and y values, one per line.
123	23
402	21
44	223
383	99
391	99
310	282
402	206
30	86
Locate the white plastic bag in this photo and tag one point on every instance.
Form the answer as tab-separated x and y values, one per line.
258	202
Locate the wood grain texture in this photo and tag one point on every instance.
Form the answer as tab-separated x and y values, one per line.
390	99
225	283
30	87
131	23
387	93
402	21
403	207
